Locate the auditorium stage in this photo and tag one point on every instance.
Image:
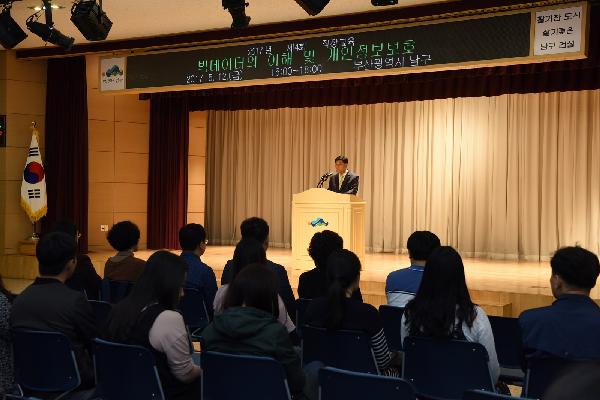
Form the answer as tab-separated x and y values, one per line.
501	287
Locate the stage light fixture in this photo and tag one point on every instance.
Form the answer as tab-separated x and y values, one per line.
47	32
91	20
237	9
312	7
11	33
383	3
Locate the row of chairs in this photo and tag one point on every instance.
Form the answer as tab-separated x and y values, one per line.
45	362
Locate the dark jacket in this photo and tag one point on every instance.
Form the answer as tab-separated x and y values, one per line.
249	331
85	278
349	185
569	328
284	288
49	305
200	276
124	268
313	284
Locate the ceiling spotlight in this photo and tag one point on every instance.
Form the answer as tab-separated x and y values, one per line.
92	22
237	9
313	7
11	33
47	31
383	3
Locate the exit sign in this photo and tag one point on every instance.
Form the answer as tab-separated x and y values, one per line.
2	130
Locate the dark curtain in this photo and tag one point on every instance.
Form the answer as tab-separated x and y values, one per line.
521	78
167	171
66	142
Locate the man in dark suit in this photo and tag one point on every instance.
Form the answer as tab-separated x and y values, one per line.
344	181
569	327
49	305
257	228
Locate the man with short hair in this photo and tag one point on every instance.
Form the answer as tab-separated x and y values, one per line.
570	327
124	266
402	285
49	305
344	181
257	228
192	239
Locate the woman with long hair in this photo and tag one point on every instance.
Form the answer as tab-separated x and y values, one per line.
248	323
6	360
148	317
249	251
340	311
442	307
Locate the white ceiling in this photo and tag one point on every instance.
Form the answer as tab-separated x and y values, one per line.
139	18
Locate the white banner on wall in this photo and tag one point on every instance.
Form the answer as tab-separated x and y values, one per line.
558	31
112	74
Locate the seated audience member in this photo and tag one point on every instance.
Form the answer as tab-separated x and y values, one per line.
192	239
249	251
258	229
248	324
85	278
124	266
339	311
402	285
570	327
49	305
313	283
6	359
442	307
147	317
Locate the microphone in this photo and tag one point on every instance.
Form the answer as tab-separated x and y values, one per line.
324	177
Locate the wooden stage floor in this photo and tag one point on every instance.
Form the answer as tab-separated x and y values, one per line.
501	287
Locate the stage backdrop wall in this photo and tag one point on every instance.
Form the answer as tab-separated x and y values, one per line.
509	176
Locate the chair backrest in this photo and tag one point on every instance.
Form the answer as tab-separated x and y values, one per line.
483	395
125	372
193	309
391	317
542	372
255	377
444	368
336	383
350	350
101	310
301	306
114	291
507	338
44	361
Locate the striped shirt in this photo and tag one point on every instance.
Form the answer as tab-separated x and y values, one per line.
402	285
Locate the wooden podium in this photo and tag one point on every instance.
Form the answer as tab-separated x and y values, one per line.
318	209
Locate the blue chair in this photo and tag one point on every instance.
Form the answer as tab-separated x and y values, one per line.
194	310
507	339
253	377
301	306
349	350
542	372
483	395
114	291
445	369
347	385
101	311
125	372
45	362
391	317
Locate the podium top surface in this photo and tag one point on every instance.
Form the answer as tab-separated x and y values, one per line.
321	195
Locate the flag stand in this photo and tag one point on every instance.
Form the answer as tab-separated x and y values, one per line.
34	236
